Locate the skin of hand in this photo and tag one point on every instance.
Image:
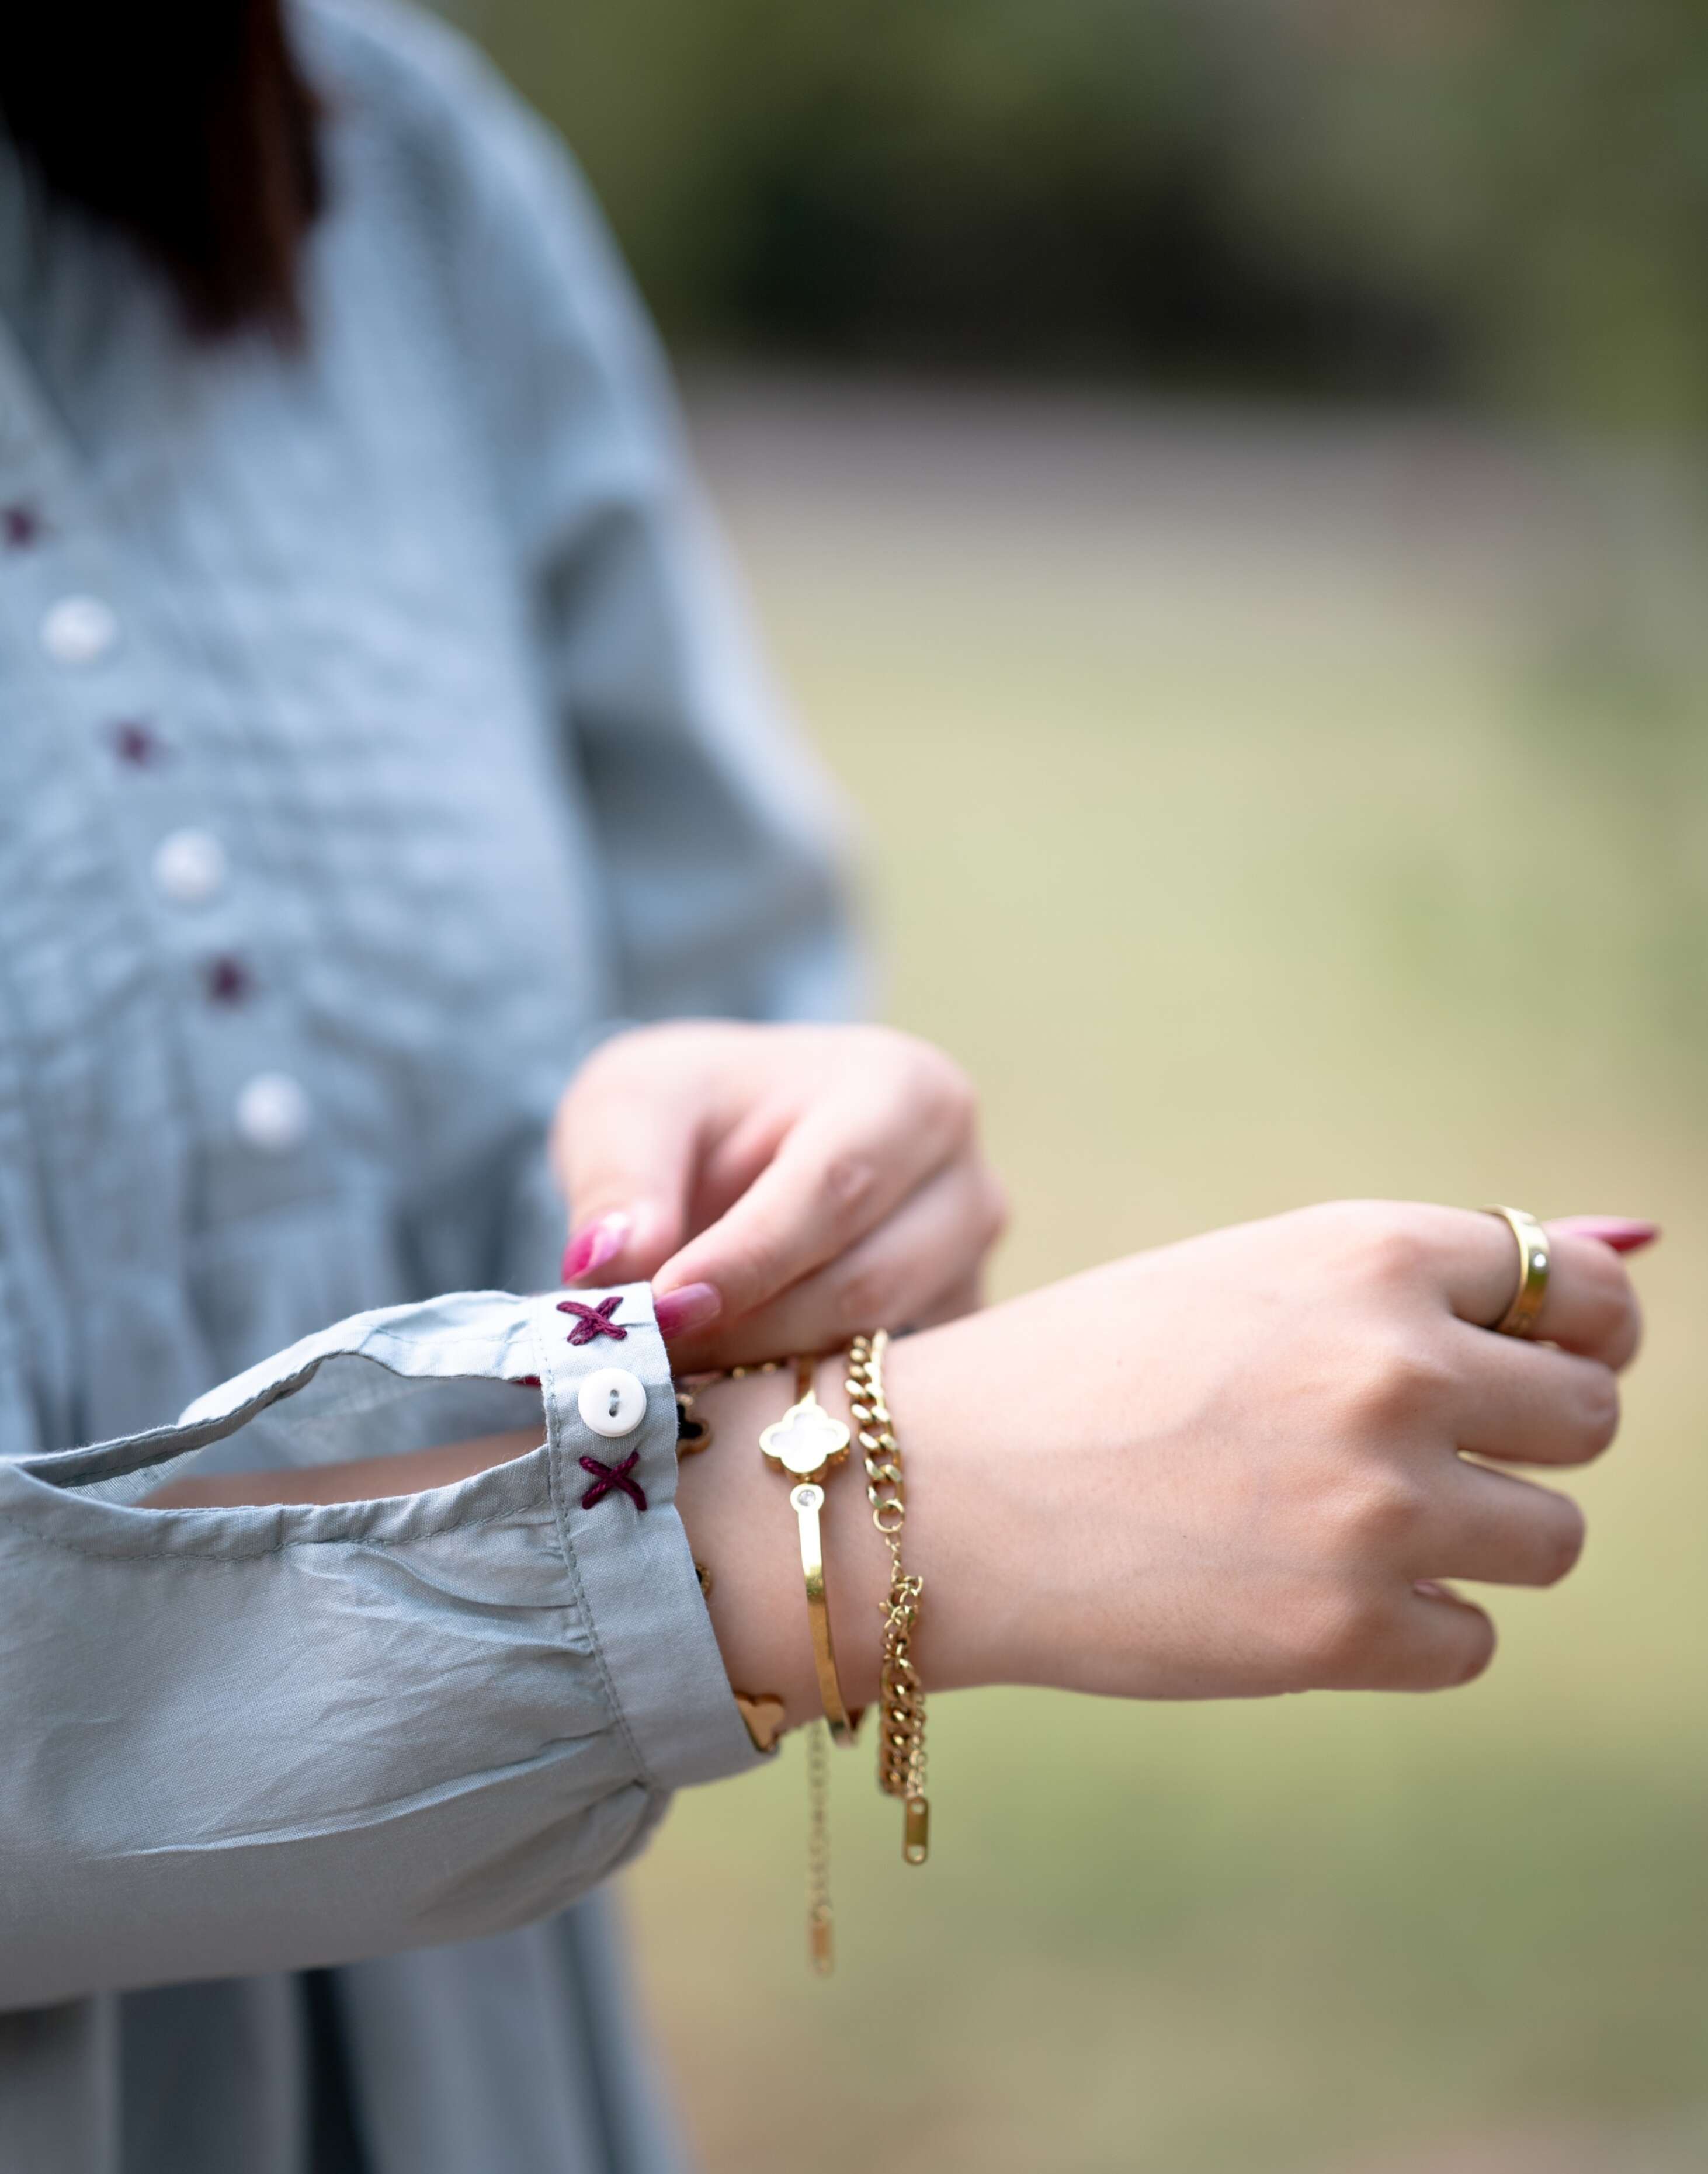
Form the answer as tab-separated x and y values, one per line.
1234	1467
780	1187
1238	1465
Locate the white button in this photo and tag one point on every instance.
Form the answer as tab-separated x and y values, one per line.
77	629
611	1401
272	1112
189	867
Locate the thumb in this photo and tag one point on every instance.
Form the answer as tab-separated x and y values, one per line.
625	1150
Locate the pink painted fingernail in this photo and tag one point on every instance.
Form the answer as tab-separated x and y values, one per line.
679	1312
593	1245
1625	1234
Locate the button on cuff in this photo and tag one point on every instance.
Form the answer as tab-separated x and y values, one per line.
611	1401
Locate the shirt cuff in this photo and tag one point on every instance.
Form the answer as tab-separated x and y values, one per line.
632	1567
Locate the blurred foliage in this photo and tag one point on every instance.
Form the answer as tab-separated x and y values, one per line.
1501	199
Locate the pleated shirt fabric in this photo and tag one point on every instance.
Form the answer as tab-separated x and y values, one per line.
376	731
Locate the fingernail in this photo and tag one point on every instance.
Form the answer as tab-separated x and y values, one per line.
1625	1234
1427	1589
593	1245
679	1312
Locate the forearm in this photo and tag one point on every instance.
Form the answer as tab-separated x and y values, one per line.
1229	1468
736	1511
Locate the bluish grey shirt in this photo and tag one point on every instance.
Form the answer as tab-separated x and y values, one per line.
375	730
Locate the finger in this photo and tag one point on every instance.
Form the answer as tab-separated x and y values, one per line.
837	1175
1502	1530
1589	1306
919	1267
1443	1642
625	1156
1423	1638
1530	1403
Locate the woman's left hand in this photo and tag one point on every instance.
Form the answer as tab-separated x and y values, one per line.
780	1187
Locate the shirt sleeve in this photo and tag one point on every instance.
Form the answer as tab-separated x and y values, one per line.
723	847
264	1738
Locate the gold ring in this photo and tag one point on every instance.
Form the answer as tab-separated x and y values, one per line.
1535	1257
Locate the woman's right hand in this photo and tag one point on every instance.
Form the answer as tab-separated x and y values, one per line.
1234	1466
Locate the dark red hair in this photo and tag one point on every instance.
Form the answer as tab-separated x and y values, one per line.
188	125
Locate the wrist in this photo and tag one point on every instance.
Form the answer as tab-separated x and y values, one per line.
970	1623
736	1509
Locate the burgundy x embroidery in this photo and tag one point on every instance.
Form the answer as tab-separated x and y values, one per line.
608	1476
594	1321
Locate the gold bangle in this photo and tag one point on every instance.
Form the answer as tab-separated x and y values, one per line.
808	1444
901	1698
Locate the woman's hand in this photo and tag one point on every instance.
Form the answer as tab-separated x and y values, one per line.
780	1187
1231	1467
1239	1464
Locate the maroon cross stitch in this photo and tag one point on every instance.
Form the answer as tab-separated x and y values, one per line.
608	1476
22	525
594	1321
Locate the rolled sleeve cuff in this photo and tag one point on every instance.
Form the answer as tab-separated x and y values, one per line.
633	1568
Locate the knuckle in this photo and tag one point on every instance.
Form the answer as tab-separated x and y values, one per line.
1339	1638
1382	1241
1401	1383
1395	1251
846	1181
1382	1515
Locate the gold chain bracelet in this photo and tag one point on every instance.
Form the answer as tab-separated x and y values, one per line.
901	1697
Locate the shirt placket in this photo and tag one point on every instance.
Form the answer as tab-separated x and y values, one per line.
195	906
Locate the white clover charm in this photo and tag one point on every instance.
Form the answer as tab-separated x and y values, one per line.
806	1439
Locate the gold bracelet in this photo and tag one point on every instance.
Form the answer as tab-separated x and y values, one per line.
901	1738
808	1444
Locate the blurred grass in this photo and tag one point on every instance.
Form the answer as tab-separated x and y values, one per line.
1264	811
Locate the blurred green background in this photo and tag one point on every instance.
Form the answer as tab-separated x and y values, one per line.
1220	482
1463	198
1266	809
